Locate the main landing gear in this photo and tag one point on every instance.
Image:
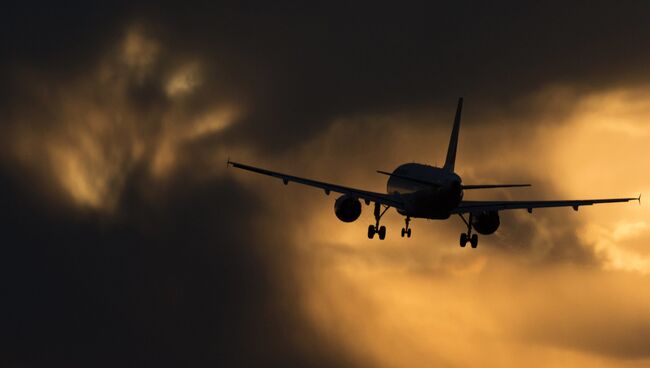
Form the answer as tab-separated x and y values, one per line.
405	230
464	237
376	229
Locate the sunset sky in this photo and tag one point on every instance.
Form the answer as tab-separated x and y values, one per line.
126	241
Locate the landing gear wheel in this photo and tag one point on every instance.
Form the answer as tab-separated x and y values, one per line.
474	241
382	232
468	236
406	230
371	231
376	229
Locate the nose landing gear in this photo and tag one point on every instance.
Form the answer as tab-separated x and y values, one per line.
376	229
406	230
465	237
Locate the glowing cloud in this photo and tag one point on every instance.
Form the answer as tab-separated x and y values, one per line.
426	302
183	80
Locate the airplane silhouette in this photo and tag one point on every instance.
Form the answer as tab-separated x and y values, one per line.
423	191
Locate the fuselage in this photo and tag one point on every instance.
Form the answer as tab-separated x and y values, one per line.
427	191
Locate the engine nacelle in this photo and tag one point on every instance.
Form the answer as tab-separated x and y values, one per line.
347	208
486	222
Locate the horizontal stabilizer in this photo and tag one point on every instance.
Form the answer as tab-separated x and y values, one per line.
415	180
468	187
490	186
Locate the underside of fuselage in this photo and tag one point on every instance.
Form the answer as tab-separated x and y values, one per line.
427	191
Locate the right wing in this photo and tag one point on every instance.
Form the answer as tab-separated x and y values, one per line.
477	206
367	196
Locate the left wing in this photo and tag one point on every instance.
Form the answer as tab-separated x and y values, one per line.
477	206
367	196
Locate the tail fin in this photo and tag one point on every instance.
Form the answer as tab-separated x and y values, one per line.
453	140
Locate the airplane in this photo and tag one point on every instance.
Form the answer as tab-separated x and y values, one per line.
423	191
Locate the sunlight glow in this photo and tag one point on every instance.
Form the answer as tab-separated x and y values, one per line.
398	302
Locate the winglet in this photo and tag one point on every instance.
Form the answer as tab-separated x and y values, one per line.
453	140
228	163
639	199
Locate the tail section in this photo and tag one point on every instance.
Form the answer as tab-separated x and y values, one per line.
453	140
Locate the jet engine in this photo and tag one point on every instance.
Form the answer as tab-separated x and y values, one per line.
347	208
486	222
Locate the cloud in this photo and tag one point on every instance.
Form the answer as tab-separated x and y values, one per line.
123	243
127	240
550	286
166	280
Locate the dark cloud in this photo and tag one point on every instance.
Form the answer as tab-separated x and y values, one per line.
179	281
178	271
299	71
296	68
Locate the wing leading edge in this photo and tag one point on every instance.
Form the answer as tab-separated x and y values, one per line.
478	206
365	195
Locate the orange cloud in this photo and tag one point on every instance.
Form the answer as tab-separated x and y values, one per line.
93	133
522	298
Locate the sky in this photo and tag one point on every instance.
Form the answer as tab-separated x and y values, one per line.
127	241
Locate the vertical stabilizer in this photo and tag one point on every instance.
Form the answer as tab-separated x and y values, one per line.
453	140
